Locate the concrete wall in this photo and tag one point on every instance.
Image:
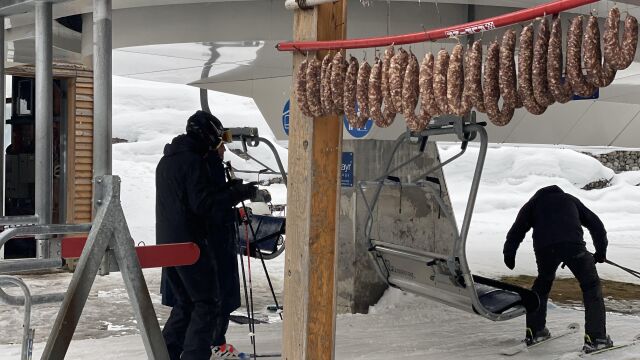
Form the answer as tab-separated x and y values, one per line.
358	284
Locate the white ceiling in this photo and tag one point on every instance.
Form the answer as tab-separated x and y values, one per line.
252	67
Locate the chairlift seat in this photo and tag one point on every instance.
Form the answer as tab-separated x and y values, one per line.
415	242
268	235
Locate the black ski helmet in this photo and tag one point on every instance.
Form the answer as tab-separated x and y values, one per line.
206	128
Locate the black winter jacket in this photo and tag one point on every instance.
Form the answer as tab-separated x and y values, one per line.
185	196
223	246
557	219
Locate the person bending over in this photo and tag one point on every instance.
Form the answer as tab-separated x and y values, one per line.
557	219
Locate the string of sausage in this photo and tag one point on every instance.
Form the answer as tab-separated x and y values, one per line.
474	78
508	80
560	89
525	63
375	92
455	80
326	98
362	94
387	115
313	87
427	93
440	71
467	101
411	89
598	74
578	81
338	73
300	88
491	88
350	88
617	56
541	91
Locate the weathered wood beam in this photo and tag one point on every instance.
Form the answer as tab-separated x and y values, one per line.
315	147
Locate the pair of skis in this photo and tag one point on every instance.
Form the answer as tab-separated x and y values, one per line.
522	346
571	329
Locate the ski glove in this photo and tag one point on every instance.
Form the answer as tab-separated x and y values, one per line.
599	257
510	260
242	192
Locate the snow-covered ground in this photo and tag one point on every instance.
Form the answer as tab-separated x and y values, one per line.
149	114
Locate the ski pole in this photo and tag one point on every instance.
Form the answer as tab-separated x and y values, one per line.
630	271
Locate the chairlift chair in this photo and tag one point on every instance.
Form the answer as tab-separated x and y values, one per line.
435	264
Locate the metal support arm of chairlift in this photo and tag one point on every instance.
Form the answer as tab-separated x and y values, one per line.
466	129
249	137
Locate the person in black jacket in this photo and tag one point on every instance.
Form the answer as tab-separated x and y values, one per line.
187	199
557	219
221	236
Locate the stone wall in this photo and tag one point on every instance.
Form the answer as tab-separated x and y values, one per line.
620	161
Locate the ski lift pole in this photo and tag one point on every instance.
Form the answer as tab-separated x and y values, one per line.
245	218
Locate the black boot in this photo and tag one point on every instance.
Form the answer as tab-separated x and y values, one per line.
532	337
595	344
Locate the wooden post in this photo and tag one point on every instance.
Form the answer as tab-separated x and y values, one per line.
315	153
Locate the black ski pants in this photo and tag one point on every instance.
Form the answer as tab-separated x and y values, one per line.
582	265
190	328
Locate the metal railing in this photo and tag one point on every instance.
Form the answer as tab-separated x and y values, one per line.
27	332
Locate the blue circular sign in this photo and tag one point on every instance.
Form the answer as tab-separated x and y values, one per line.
358	132
285	117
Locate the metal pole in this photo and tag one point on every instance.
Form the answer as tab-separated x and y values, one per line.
2	114
2	144
102	87
44	115
26	323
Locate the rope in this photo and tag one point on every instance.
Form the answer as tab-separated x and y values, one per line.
302	4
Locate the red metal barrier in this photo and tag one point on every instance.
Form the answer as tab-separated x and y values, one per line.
151	256
549	8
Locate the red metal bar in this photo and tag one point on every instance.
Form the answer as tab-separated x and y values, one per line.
151	256
478	26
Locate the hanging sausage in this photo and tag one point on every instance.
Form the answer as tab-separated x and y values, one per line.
619	57
375	93
300	88
525	68
313	87
541	90
578	81
410	93
491	88
362	94
326	99
455	80
559	86
475	76
598	74
508	80
467	101
350	87
338	73
426	85
440	81
397	69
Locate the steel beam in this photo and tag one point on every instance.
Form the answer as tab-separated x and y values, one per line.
44	117
2	144
102	87
2	115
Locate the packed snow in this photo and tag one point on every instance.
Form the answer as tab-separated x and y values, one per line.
401	325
